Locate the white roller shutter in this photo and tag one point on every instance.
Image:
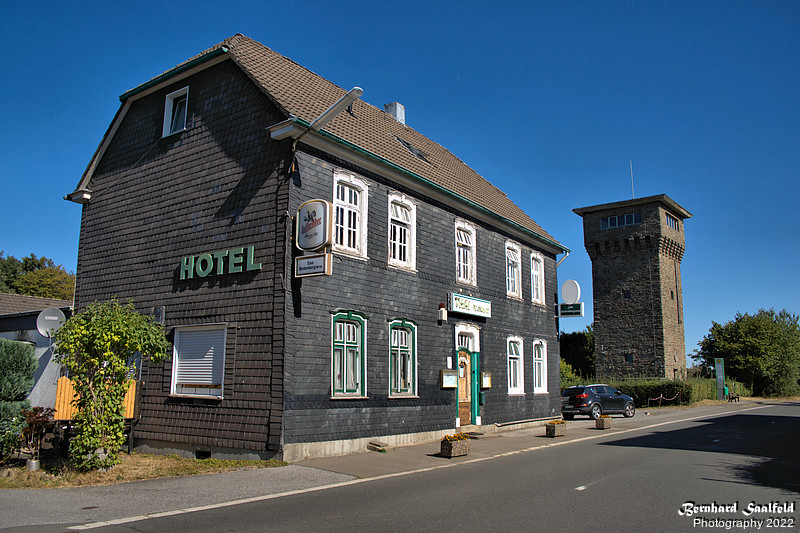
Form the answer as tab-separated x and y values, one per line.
200	360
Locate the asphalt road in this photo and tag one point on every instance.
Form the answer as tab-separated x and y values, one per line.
637	480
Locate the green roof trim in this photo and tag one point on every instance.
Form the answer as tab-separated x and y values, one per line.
174	72
428	182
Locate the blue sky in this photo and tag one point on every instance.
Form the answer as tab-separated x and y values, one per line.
548	100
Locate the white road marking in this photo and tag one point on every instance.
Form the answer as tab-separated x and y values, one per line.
126	520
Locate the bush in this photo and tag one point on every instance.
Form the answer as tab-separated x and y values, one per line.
10	436
642	390
17	368
568	376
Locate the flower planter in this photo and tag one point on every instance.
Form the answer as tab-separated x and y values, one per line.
454	448
555	430
603	423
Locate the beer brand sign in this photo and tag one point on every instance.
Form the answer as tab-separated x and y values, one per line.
314	225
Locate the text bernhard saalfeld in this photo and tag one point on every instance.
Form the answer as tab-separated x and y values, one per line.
690	508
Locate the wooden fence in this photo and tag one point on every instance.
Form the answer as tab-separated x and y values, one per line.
65	393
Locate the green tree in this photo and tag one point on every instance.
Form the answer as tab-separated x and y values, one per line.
760	350
577	349
100	346
47	282
10	269
35	276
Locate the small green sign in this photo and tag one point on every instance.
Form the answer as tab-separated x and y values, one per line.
570	310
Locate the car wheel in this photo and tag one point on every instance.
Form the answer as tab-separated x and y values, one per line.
630	410
596	411
568	417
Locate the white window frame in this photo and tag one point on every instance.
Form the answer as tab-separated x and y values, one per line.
341	241
465	245
513	270
395	389
198	371
398	227
539	359
673	222
169	107
515	365
359	390
537	278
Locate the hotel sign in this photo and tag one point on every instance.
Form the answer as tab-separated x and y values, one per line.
461	303
314	225
233	261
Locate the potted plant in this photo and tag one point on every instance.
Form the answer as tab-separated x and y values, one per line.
603	422
556	428
455	445
37	422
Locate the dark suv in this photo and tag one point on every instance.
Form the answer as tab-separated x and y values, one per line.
595	400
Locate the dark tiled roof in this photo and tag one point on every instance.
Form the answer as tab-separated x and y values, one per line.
17	303
300	92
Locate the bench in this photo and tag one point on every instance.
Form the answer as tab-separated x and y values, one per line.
733	397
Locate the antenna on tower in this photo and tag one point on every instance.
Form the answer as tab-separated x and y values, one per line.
633	195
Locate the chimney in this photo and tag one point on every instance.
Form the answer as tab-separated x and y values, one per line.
397	110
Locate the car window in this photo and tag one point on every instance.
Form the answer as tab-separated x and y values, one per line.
600	390
574	391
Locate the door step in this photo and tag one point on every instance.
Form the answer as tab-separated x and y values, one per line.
472	430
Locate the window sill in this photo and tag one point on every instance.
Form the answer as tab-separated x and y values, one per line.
178	132
349	397
515	297
350	254
403	397
404	268
522	394
197	396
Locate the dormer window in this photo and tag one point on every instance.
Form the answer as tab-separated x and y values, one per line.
175	112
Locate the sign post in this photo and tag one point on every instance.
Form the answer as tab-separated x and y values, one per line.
719	369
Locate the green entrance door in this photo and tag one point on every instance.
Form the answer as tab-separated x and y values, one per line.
468	365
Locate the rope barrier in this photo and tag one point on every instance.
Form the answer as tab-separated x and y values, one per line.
661	397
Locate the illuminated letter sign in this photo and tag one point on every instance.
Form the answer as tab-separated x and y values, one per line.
314	228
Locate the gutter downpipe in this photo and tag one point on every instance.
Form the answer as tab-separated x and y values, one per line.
566	254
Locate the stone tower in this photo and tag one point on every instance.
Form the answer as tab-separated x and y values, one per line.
636	247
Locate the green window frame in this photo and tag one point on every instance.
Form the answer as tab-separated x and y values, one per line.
402	358
348	354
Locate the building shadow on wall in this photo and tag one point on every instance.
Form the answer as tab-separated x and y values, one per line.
771	440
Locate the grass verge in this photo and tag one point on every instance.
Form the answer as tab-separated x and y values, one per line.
133	467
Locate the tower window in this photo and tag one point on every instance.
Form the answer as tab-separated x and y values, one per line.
618	221
673	222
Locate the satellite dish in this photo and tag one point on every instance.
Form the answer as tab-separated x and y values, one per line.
570	292
49	321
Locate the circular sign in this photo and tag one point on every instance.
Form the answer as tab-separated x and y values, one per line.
49	321
570	292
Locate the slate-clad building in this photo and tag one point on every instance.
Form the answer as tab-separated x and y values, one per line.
190	208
